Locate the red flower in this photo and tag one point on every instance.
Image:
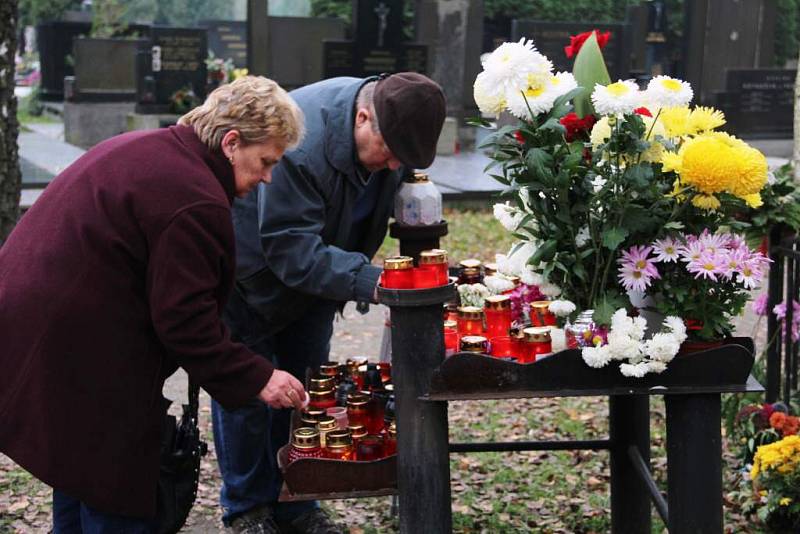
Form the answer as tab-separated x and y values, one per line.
576	125
643	111
693	325
576	41
519	138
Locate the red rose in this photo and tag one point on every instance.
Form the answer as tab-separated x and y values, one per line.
576	41
519	138
643	111
576	125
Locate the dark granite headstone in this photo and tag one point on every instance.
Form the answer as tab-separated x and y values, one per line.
228	39
550	38
105	69
759	103
54	42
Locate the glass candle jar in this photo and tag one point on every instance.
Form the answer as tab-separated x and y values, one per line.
398	272
470	321
478	344
390	440
541	314
339	446
369	448
424	278
305	444
375	413
357	411
503	347
322	400
469	272
435	260
330	369
385	369
489	269
340	414
450	337
537	341
353	365
579	333
451	311
321	383
309	422
326	424
357	432
498	315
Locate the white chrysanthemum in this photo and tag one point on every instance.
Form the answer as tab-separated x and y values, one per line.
530	278
656	367
601	132
665	91
582	237
638	329
498	284
561	308
621	323
472	294
549	290
662	347
638	369
596	357
508	216
561	83
616	98
508	68
623	347
676	326
490	100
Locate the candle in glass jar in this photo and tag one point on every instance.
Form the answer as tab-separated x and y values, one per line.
390	440
450	337
305	444
322	400
398	272
330	369
357	432
339	445
498	315
321	383
477	344
369	448
326	424
375	412
424	278
537	341
503	347
357	410
469	272
435	260
541	314
490	269
470	321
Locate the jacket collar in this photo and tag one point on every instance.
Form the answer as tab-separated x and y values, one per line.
339	116
215	159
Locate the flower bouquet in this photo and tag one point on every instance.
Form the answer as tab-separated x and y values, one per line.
619	194
776	480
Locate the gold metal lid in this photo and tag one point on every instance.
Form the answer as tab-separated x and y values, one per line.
470	313
474	344
418	178
537	334
390	387
338	439
327	423
321	395
489	269
314	413
322	383
541	306
358	404
497	302
357	395
306	438
513	279
392	430
308	422
329	369
451	324
435	255
470	263
357	431
398	262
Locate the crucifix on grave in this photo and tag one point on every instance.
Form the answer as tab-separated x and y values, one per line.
382	11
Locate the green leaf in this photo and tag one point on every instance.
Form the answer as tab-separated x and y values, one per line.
553	124
480	122
589	69
613	237
639	175
674	225
605	307
544	253
539	162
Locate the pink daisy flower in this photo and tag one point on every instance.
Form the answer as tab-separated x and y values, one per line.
666	249
634	279
691	250
707	266
713	242
749	274
637	257
759	306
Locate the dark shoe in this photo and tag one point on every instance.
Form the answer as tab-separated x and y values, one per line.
256	521
315	521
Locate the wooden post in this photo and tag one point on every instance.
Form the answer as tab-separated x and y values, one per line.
629	424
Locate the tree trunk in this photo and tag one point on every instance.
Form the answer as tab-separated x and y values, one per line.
796	151
10	178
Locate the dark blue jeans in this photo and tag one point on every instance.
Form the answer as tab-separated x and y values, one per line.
247	439
71	516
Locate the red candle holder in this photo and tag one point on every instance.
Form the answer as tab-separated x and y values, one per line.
424	278
503	347
498	315
435	260
450	337
470	321
398	272
369	448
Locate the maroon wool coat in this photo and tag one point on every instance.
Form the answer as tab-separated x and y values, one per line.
116	276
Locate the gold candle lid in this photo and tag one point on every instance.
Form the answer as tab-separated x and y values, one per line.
398	262
435	255
541	306
357	395
470	263
322	383
327	423
451	324
418	178
358	403
392	430
329	369
470	313
490	269
321	395
306	421
537	334
306	438
497	302
473	344
513	279
314	413
357	431
338	439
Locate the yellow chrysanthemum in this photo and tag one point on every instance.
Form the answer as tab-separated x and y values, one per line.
706	202
676	121
754	200
706	164
752	172
670	161
782	456
655	130
702	119
601	132
786	501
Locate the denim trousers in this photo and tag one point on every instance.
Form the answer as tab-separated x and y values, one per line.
71	516
247	439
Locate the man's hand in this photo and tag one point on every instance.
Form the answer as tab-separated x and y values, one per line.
283	391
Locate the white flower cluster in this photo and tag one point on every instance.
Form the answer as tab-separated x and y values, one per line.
561	308
518	78
497	284
508	216
473	294
624	96
516	264
626	344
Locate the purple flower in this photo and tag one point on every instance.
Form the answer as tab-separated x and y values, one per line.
713	242
637	269
666	249
691	250
707	266
759	306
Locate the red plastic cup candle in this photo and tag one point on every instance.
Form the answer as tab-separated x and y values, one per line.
537	342
503	347
424	278
322	400
369	448
305	444
470	321
358	410
398	272
435	260
498	315
541	314
339	446
390	440
450	337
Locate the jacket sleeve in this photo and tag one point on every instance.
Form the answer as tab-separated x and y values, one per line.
291	217
185	287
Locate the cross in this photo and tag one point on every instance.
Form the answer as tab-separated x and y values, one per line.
382	11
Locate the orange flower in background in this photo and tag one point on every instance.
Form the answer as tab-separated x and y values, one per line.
576	41
788	425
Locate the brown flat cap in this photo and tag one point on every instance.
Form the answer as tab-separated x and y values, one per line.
411	111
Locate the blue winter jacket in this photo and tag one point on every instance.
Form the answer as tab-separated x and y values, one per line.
292	234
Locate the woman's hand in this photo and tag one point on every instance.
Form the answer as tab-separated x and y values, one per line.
283	391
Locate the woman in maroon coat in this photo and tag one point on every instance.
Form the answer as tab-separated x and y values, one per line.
116	277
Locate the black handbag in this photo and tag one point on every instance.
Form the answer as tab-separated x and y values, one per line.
181	450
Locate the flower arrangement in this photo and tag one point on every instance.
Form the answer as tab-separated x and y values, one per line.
776	480
760	424
183	100
220	71
599	174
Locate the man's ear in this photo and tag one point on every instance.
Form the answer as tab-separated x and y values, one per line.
362	116
230	141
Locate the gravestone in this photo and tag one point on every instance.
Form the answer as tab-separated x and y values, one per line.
54	43
378	45
759	103
296	48
105	69
174	61
228	39
550	38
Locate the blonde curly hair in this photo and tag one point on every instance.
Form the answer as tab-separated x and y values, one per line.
257	107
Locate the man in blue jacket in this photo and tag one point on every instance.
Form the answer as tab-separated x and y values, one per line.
304	245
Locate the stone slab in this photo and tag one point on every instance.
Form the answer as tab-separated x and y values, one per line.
86	124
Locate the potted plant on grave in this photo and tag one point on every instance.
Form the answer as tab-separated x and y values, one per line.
598	175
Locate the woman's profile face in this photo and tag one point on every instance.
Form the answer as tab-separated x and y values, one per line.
253	163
